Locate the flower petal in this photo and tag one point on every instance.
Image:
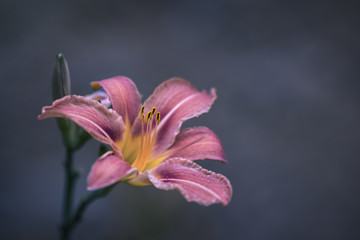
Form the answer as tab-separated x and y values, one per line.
195	183
101	97
197	143
103	124
124	96
107	170
176	100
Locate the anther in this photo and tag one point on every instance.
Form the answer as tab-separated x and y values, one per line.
148	116
153	111
157	118
142	111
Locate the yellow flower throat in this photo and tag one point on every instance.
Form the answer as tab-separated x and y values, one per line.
137	150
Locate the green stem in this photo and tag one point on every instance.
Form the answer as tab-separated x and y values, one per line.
70	220
86	202
70	178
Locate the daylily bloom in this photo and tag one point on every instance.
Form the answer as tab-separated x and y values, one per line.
147	144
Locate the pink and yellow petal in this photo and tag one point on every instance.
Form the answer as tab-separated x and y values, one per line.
195	183
176	100
123	94
101	123
197	143
107	170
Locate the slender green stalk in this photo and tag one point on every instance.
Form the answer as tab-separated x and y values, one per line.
77	217
71	218
70	178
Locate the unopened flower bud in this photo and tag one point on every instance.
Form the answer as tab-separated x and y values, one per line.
61	78
73	136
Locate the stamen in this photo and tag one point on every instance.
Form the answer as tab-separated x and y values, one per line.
148	117
154	135
142	110
147	138
142	115
157	118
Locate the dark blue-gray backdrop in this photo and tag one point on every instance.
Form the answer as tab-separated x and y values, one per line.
287	75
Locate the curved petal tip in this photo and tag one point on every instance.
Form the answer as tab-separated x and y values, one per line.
107	170
195	183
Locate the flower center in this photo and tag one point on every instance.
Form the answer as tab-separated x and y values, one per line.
148	136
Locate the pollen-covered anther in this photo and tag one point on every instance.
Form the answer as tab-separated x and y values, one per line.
142	111
148	117
142	116
157	118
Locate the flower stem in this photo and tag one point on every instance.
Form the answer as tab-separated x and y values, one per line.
86	202
70	178
71	218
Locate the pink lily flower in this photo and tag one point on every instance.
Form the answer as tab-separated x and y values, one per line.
147	144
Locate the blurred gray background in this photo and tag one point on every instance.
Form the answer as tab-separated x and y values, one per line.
287	76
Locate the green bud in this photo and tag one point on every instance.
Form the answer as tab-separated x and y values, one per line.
61	85
73	136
